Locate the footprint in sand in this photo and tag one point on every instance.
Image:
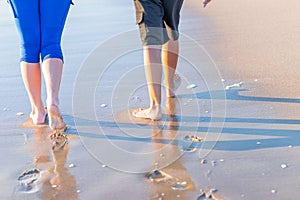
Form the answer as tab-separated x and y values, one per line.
59	140
157	176
180	185
209	195
160	177
188	149
193	138
28	180
188	141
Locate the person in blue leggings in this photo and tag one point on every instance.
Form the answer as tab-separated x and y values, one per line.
40	24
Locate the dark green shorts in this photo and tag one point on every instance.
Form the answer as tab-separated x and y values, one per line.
158	20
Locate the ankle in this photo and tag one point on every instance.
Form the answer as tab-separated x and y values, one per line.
53	110
155	107
52	102
52	106
37	110
169	93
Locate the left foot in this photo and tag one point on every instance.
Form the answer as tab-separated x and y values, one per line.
38	117
153	114
36	120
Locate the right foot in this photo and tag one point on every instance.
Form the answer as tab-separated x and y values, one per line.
153	114
56	121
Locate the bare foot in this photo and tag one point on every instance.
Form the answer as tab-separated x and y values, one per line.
56	121
38	117
171	89
153	114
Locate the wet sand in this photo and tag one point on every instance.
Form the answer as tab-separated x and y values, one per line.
252	42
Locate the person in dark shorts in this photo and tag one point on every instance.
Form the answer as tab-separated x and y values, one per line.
158	22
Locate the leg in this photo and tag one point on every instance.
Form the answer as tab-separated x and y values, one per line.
149	18
169	61
52	70
153	72
170	49
31	74
27	22
53	16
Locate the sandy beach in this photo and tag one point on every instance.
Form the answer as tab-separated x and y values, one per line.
234	126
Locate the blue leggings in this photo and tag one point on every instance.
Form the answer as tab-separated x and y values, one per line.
40	24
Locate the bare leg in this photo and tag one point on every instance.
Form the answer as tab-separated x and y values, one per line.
52	70
153	71
169	61
31	73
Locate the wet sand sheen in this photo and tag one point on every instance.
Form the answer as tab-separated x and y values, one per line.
251	41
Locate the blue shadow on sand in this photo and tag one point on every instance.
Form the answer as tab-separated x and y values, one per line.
282	137
233	94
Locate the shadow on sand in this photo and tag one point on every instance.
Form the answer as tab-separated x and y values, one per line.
282	137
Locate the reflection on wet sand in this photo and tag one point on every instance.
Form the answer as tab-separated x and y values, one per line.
48	175
172	181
